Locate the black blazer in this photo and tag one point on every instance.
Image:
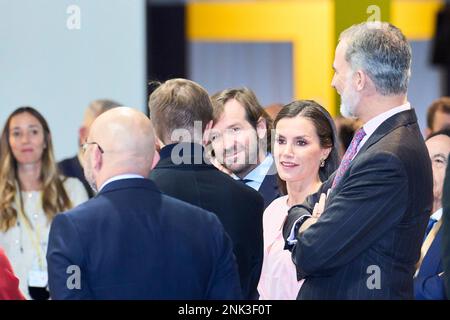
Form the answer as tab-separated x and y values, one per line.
132	242
238	207
367	241
445	229
71	167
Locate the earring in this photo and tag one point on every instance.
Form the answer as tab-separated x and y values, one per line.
322	163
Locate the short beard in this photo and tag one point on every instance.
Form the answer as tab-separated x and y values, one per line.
348	104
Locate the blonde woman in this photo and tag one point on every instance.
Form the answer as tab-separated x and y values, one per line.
33	192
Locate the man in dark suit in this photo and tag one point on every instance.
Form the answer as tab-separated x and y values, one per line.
131	241
429	280
182	115
364	239
72	167
446	231
241	140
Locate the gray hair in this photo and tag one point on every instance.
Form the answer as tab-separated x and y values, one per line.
97	107
382	51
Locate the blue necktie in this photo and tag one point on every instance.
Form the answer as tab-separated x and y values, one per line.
431	223
245	181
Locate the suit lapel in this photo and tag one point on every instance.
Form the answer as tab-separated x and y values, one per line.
400	119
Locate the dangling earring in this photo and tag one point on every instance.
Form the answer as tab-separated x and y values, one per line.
322	163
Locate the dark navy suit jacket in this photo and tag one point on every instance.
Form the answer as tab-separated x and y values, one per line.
269	189
367	241
238	207
428	285
133	242
446	231
71	167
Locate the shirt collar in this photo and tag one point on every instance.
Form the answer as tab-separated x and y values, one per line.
437	215
259	173
120	177
371	125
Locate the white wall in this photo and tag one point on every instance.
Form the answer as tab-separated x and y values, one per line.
59	71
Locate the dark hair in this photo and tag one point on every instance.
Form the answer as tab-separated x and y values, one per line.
253	109
444	132
441	104
177	104
325	129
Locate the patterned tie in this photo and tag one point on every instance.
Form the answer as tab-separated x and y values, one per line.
348	156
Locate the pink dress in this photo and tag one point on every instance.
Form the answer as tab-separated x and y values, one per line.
278	279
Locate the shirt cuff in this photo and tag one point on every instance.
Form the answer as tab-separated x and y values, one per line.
291	240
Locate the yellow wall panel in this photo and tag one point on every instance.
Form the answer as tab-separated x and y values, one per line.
308	24
416	18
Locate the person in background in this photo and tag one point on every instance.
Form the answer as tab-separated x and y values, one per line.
73	167
429	281
131	241
241	140
9	283
305	152
445	252
183	106
273	109
438	115
33	193
346	128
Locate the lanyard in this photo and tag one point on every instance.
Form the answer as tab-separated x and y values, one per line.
33	233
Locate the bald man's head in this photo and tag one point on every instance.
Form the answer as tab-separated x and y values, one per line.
125	144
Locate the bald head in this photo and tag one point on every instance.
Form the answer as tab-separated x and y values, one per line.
127	140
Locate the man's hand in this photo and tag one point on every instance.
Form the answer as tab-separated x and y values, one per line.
319	208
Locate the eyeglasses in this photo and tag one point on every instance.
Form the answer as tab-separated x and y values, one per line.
85	145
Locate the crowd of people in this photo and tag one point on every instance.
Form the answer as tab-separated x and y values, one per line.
217	197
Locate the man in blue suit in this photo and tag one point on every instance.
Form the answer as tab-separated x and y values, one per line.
364	239
429	280
130	241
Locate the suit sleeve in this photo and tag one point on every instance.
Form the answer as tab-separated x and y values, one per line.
65	261
305	208
225	283
371	200
429	288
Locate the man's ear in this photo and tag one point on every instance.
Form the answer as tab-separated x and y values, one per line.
98	159
360	79
207	132
261	128
82	135
156	159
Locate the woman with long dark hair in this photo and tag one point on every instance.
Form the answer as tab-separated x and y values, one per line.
306	154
